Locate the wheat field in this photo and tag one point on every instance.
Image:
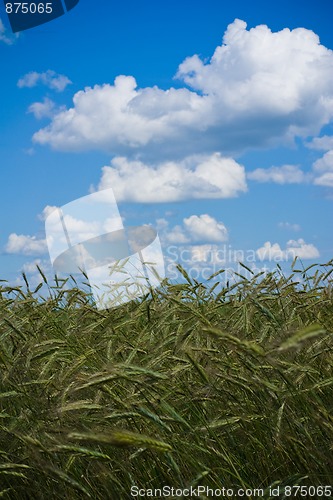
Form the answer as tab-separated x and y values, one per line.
183	387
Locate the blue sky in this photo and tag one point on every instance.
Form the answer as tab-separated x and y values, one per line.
213	122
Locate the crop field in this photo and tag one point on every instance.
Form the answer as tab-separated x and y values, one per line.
185	387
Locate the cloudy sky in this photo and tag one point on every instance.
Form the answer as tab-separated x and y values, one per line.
212	122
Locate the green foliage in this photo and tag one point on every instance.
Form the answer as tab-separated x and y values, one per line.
183	387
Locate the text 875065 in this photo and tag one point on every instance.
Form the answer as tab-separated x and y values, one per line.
29	8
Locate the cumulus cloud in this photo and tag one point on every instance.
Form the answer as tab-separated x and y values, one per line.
119	118
323	170
325	179
176	235
322	143
194	228
294	248
47	211
286	174
83	230
31	267
78	230
205	253
49	78
195	177
205	227
44	109
25	245
259	88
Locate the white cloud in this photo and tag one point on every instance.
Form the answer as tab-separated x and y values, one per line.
44	109
294	248
204	253
259	88
177	235
50	78
322	143
325	163
31	267
194	228
271	252
82	230
323	169
78	230
205	228
289	226
325	179
196	177
118	117
286	174
161	224
25	245
8	39
47	211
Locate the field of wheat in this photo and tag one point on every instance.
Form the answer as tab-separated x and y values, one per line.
183	387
